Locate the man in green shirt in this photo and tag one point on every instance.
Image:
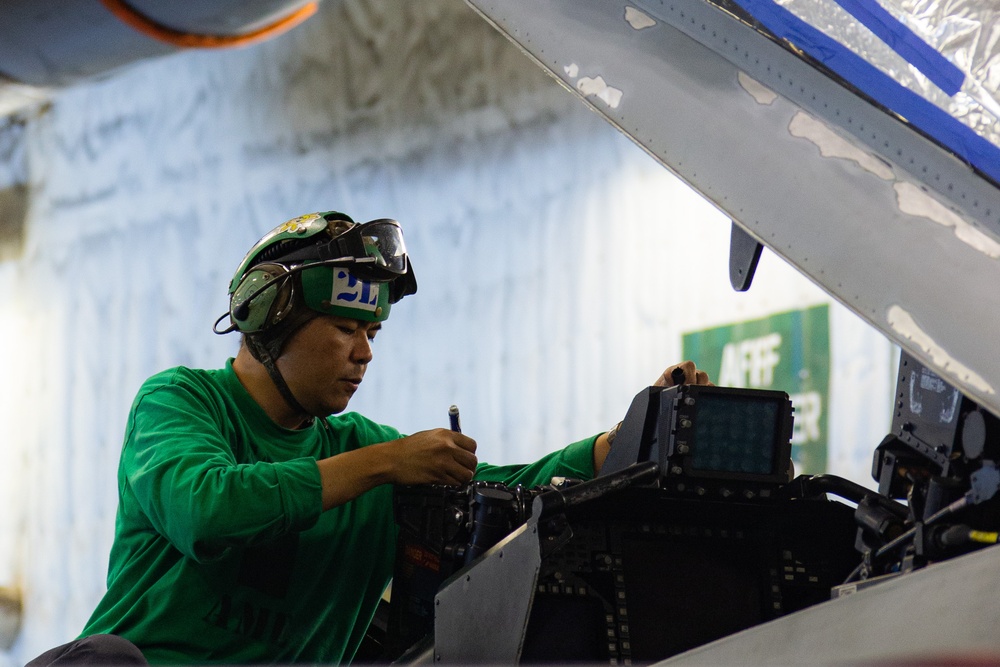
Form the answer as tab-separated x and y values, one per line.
255	519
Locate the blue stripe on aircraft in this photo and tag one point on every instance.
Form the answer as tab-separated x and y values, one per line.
930	119
903	41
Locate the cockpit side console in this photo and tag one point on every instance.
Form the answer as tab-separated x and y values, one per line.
694	530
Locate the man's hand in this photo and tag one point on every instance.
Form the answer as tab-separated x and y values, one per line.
685	372
691	375
438	456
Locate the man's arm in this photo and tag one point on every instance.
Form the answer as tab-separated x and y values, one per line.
438	456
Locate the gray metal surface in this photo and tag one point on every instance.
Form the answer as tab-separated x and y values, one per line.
876	214
52	43
467	604
943	614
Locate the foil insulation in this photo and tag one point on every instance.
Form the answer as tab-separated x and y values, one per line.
965	32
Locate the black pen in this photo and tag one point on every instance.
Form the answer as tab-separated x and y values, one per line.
456	423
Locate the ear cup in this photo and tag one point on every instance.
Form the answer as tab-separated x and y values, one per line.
262	299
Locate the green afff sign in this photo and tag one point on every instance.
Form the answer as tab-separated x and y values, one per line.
788	352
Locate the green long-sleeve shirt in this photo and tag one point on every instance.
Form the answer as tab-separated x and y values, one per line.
222	552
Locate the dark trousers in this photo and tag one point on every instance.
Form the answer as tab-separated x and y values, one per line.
92	650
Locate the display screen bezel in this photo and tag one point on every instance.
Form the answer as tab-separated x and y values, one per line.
687	444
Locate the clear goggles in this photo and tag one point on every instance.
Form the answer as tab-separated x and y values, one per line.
378	251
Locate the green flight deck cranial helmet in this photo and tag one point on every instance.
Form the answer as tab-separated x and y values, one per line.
325	261
320	263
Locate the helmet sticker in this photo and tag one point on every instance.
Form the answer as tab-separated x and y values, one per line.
353	293
297	225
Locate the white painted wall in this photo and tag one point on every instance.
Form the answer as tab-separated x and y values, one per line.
558	264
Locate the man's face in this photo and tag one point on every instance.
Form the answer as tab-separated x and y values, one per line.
325	360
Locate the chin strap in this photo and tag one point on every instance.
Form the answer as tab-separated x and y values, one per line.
262	355
266	348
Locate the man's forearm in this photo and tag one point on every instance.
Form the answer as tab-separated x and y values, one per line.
601	449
